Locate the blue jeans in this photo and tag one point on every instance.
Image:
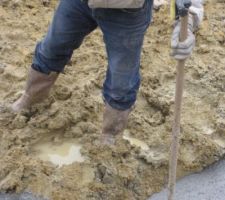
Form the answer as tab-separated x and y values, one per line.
123	31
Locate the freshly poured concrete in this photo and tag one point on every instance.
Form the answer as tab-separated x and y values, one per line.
207	185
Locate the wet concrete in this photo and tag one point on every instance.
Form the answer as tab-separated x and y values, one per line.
207	185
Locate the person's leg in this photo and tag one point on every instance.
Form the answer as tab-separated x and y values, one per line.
123	35
71	23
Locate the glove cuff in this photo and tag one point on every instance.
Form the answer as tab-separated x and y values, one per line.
198	12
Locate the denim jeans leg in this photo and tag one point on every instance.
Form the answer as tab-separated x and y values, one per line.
71	23
124	31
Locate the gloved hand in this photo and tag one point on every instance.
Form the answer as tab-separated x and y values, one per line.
182	50
183	6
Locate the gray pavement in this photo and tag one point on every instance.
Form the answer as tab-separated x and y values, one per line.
23	196
207	185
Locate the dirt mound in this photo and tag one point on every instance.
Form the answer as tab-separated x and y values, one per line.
74	110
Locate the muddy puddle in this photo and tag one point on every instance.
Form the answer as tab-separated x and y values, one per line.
65	153
137	166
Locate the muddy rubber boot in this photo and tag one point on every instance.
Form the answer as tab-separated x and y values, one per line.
37	88
114	123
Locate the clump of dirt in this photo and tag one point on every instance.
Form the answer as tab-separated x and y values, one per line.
74	110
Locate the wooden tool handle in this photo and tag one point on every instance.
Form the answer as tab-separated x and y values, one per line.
184	28
177	114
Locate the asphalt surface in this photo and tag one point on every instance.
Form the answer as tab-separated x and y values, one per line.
207	185
23	196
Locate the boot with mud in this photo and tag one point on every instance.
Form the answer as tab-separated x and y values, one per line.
37	89
114	123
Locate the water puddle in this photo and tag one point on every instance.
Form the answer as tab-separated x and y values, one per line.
61	154
134	141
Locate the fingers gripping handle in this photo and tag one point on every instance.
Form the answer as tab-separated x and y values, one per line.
182	7
182	11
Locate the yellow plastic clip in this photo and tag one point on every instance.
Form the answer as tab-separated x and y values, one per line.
172	9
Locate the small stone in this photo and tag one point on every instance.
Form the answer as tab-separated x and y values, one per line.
62	93
16	3
2	67
19	122
76	132
46	2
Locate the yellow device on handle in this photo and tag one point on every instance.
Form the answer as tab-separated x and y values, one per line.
172	9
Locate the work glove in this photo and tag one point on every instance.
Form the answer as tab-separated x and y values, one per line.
197	11
182	50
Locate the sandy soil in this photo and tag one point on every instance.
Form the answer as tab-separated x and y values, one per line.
74	110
